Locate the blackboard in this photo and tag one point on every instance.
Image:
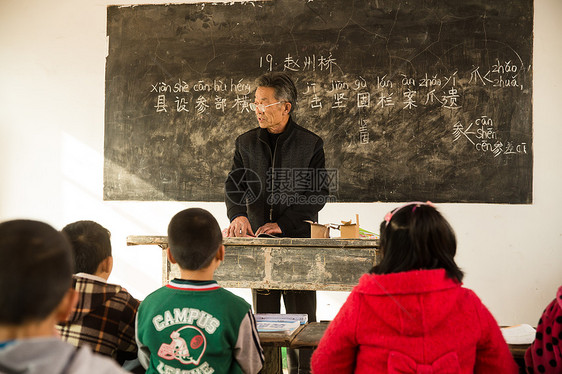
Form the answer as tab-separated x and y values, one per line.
425	99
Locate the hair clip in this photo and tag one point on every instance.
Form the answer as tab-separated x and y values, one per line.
389	215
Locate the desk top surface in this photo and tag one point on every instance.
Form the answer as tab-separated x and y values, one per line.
282	242
310	336
280	339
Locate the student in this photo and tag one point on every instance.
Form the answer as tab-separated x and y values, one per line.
35	293
411	313
104	317
545	353
192	323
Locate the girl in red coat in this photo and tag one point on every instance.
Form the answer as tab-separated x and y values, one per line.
411	313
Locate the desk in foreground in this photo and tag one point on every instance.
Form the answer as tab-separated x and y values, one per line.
310	336
285	263
271	343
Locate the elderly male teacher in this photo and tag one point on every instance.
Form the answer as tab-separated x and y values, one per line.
275	185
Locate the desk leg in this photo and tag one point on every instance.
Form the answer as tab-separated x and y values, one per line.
166	268
272	364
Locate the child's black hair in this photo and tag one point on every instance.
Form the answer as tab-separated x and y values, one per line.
416	236
35	270
194	237
91	244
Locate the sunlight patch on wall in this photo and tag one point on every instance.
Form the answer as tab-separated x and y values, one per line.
136	268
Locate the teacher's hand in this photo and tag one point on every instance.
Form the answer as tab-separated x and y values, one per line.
240	226
270	228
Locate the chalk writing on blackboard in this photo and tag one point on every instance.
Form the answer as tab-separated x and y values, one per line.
407	93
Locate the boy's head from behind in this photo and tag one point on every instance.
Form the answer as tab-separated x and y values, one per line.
91	245
194	237
35	271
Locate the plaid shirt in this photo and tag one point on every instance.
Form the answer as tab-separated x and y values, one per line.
104	318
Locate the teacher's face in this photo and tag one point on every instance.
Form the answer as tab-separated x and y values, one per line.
274	114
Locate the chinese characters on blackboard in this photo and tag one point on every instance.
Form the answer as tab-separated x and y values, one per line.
380	92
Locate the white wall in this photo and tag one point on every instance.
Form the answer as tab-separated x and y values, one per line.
52	61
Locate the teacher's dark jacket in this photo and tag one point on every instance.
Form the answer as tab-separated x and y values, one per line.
286	183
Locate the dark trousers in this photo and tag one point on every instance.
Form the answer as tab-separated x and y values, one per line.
302	302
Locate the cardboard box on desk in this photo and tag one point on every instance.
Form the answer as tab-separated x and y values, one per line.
318	230
350	230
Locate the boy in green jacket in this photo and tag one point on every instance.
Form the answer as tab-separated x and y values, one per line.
192	324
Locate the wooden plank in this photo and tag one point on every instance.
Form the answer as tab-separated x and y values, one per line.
310	335
518	350
279	339
162	241
273	360
286	263
272	343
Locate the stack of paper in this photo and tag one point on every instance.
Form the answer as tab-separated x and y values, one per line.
519	334
273	322
277	326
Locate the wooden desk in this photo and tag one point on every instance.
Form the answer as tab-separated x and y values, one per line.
271	343
518	350
310	336
284	263
306	336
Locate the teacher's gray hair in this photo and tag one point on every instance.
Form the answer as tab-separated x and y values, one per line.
283	85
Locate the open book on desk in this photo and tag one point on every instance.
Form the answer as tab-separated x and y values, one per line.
273	322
